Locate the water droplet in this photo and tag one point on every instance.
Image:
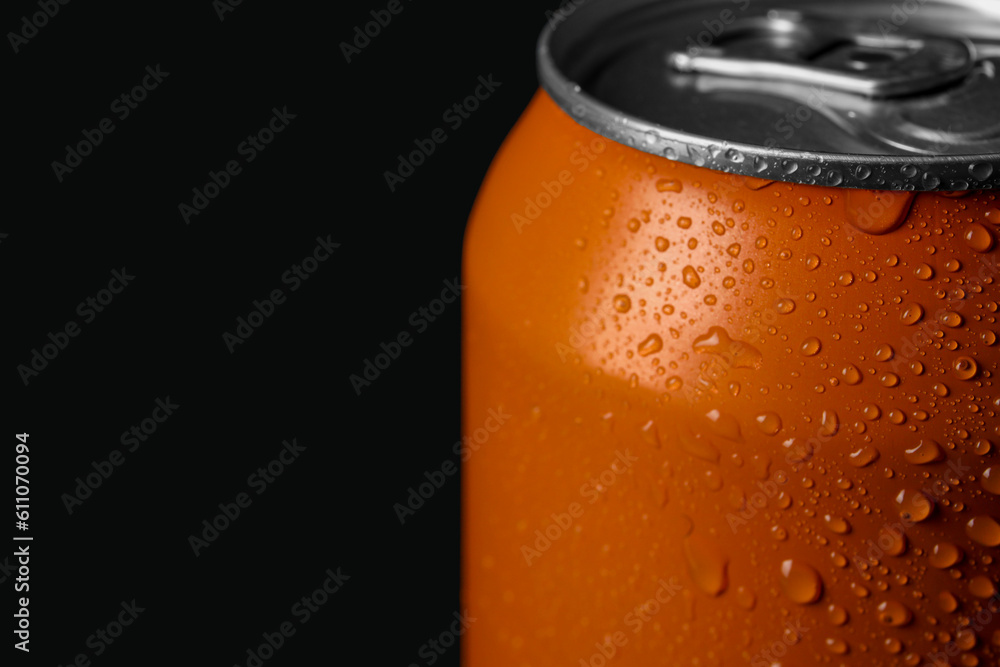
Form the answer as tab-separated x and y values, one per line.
889	379
991	480
811	346
894	614
724	424
785	306
812	262
984	529
950	319
947	601
829	423
923	272
981	171
859	590
745	598
924	452
884	352
978	238
800	582
622	303
634	225
837	524
877	212
892	539
846	278
770	423
836	614
836	646
913	505
651	345
862	172
690	275
982	587
863	457
662	244
650	435
668	185
706	564
908	171
965	368
736	353
851	374
912	313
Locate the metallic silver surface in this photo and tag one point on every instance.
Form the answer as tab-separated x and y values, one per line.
849	93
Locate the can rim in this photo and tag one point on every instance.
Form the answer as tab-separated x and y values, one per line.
842	170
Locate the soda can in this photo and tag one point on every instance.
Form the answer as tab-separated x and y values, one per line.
730	342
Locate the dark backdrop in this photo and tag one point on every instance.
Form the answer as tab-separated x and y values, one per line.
94	188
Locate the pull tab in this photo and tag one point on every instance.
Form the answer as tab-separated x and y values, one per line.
790	47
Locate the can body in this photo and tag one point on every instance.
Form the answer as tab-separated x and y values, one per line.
714	420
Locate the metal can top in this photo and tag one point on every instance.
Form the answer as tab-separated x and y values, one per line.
846	93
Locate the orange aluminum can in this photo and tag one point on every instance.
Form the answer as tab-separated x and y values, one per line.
730	343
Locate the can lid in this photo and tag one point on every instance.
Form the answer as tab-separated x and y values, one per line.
847	93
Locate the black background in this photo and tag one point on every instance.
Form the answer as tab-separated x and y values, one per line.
162	336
